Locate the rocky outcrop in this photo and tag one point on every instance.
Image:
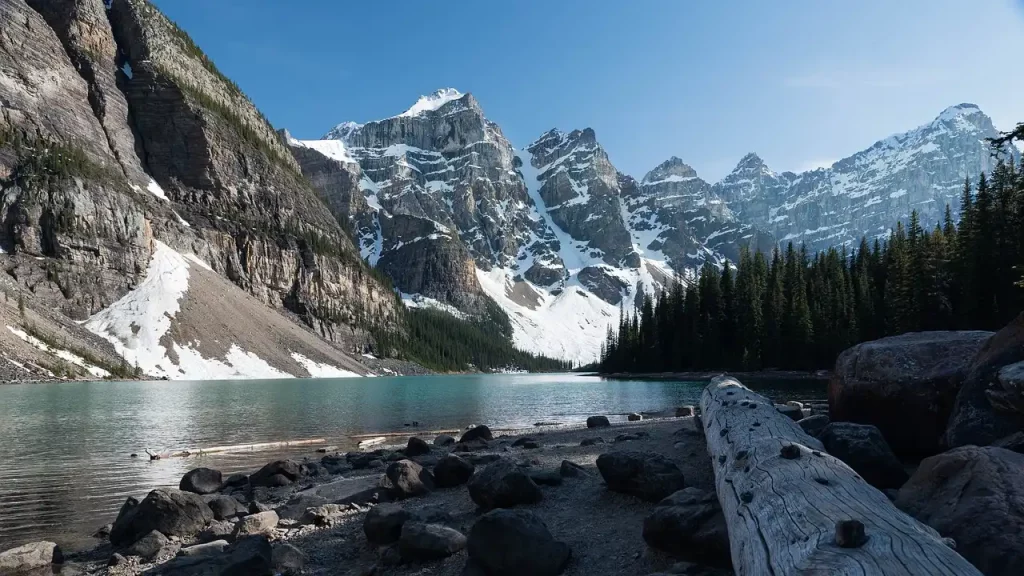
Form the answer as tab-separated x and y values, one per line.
905	385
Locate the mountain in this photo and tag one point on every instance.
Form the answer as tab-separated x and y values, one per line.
866	193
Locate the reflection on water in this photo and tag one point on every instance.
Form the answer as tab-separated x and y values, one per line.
65	447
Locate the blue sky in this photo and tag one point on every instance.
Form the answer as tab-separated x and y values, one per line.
800	82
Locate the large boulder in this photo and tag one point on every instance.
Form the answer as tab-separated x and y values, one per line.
201	481
514	543
598	422
383	523
250	556
689	524
480	432
421	542
406	479
863	448
503	484
171	512
443	440
29	557
975	420
452	471
904	385
645	475
974	495
278	473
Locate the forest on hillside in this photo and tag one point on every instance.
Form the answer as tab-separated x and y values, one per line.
797	311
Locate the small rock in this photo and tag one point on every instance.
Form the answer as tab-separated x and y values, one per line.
444	440
420	542
255	507
207	549
471	446
813	425
383	523
794	413
790	452
226	507
546	478
217	530
634	417
571	469
795	404
32	556
515	543
850	534
483	459
452	471
407	479
278	473
103	532
148	546
236	480
254	524
503	485
592	441
416	447
324	515
287	559
646	475
116	560
525	442
477	433
201	481
598	422
627	437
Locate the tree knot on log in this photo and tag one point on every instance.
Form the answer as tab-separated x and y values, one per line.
850	534
747	497
790	452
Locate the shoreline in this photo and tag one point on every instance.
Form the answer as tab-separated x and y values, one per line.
760	375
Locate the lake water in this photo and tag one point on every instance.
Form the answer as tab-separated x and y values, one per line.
65	468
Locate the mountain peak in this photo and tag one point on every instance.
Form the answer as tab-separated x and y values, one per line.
342	131
433	101
751	160
671	170
964	109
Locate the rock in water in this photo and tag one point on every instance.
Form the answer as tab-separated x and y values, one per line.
689	524
416	447
645	475
406	479
516	543
29	557
422	542
452	471
598	422
904	385
503	485
863	448
976	496
171	512
477	433
279	473
383	523
201	481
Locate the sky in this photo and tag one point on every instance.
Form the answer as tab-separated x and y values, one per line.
801	82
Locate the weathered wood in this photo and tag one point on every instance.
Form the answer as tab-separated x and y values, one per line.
783	497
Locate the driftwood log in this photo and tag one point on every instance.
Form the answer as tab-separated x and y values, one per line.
793	509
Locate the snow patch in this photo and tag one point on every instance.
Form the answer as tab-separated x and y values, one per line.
156	190
432	102
319	370
333	149
59	353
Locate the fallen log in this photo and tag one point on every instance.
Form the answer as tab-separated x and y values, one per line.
791	508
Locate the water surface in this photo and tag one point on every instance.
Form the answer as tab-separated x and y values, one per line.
64	447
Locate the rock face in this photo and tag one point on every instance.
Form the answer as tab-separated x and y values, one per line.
201	481
689	524
503	485
29	557
975	418
976	497
645	475
171	512
863	448
515	542
904	385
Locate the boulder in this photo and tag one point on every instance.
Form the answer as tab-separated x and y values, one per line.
217	530
526	442
904	385
335	464
148	547
974	495
421	542
514	543
226	507
236	481
325	515
201	481
689	524
483	459
592	441
863	448
28	557
279	473
251	556
598	422
634	417
452	471
1014	442
406	479
546	478
813	425
792	412
287	559
259	523
416	447
974	418
383	523
444	440
645	475
477	433
571	469
297	505
171	512
503	485
471	446
208	549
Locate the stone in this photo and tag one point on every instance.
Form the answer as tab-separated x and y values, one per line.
904	385
255	507
525	442
148	547
477	433
287	559
326	514
28	557
645	475
416	447
116	560
471	446
692	569
335	464
452	471
311	469
226	507
444	440
503	485
249	556
792	412
634	417
407	479
813	425
171	512
515	543
627	437
546	478
598	422
483	459
296	506
975	495
254	524
236	481
383	523
207	549
103	532
217	530
689	524
278	473
863	448
684	411
974	419
571	469
201	481
420	542
592	441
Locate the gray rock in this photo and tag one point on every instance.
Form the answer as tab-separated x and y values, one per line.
684	411
251	555
692	569
207	549
645	475
627	437
792	412
236	481
483	459
452	471
201	481
217	530
976	496
420	542
514	543
571	469
634	417
278	473
444	440
416	447
262	523
407	479
170	512
383	524
689	524
863	448
503	485
904	385
226	507
591	441
598	422
148	547
28	557
287	559
480	432
546	478
813	425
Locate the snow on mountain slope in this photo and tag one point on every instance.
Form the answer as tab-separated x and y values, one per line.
433	101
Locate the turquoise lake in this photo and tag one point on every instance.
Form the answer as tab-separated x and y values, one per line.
65	468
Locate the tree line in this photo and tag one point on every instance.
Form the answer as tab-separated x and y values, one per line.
796	311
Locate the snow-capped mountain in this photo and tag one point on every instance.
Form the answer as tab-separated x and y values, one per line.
866	193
